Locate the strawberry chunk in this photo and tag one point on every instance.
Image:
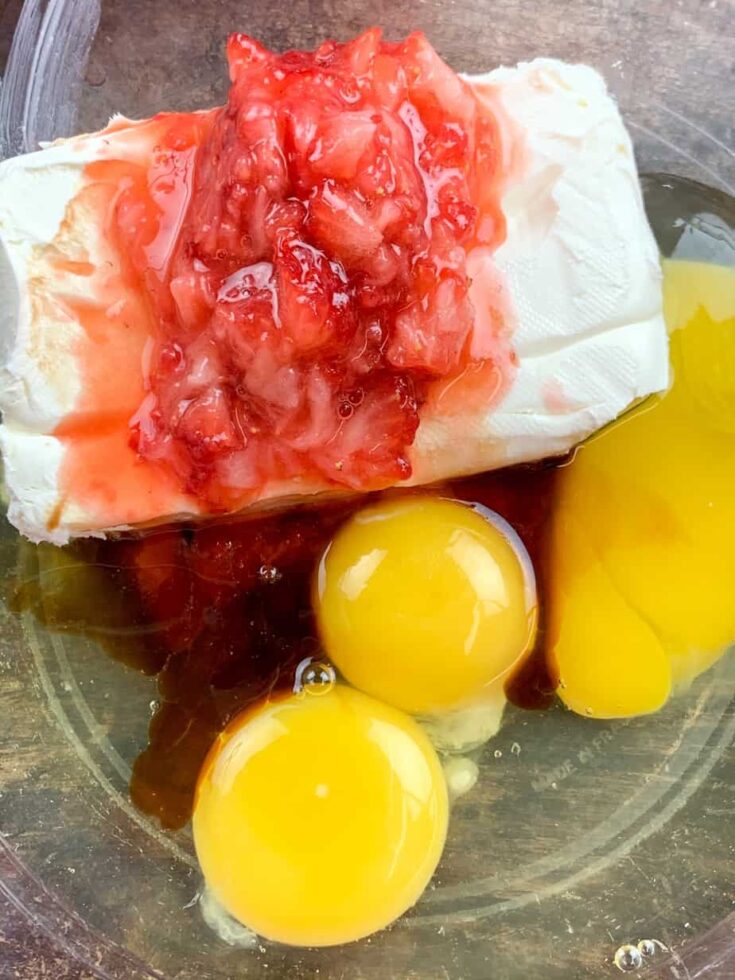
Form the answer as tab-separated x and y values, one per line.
311	295
340	223
369	449
339	143
207	426
431	334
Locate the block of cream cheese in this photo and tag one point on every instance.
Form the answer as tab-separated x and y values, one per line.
579	268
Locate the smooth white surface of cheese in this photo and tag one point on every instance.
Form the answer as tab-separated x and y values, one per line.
582	271
579	264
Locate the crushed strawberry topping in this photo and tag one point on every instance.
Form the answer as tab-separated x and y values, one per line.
317	285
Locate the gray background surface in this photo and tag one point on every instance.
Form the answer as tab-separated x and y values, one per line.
693	83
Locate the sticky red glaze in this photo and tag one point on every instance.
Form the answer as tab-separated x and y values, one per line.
316	292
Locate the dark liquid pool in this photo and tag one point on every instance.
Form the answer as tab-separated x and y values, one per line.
221	614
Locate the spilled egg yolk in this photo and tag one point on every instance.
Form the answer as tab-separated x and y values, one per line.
425	602
643	548
320	818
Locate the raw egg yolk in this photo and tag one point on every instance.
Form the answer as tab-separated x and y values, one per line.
425	602
642	571
320	818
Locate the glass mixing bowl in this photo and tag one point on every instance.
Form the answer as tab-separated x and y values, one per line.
580	837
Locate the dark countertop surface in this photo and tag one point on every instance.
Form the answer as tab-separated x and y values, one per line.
708	97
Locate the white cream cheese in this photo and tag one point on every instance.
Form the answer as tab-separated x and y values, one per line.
579	262
582	272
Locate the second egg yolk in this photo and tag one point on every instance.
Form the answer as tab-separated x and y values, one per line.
320	818
425	603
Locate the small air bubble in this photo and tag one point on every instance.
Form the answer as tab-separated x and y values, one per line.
153	706
345	410
316	676
628	958
498	754
649	947
515	748
269	574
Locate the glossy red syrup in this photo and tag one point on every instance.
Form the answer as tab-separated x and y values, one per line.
313	292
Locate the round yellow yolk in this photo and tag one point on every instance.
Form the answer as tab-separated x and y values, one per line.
424	602
320	818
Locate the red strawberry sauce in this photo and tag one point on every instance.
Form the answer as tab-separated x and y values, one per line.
311	293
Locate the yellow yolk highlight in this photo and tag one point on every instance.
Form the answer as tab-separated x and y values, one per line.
320	818
424	603
643	552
